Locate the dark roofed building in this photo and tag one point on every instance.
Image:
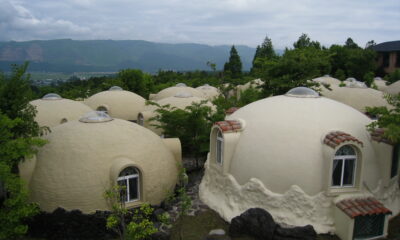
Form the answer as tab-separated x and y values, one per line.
388	55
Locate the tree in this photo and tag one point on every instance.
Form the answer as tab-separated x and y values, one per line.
263	52
350	43
304	42
233	67
388	119
18	139
136	81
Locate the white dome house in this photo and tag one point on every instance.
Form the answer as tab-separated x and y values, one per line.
84	158
307	160
172	91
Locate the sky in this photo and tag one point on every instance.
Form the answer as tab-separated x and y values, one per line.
212	22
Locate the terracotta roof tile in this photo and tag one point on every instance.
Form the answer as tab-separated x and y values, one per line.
231	110
377	135
229	125
333	139
362	207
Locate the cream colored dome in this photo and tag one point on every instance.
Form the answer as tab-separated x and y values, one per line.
358	98
172	91
209	92
82	160
393	88
117	103
282	141
327	80
53	110
380	84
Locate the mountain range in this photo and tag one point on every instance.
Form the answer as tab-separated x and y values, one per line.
66	55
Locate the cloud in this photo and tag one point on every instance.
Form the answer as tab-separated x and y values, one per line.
208	21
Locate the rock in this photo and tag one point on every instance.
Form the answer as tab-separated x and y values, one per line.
160	236
217	232
255	222
217	237
306	232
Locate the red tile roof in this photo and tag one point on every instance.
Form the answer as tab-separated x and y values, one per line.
361	207
377	135
229	125
333	139
231	110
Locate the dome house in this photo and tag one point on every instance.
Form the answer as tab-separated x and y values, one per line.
209	92
84	158
117	103
53	110
306	159
172	91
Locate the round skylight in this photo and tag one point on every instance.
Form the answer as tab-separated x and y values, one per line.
115	88
51	96
181	85
353	83
302	92
184	95
95	117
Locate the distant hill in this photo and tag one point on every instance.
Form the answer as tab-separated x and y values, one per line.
69	56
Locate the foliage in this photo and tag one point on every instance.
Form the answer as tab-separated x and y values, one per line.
14	207
264	52
136	81
388	119
191	125
233	68
294	68
393	77
140	226
304	41
248	96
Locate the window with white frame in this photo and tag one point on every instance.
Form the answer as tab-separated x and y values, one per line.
395	161
219	150
129	180
344	167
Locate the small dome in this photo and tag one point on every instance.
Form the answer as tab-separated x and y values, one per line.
353	83
95	117
51	96
115	88
302	92
181	85
184	95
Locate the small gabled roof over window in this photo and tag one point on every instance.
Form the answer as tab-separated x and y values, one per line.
335	138
229	126
378	135
362	207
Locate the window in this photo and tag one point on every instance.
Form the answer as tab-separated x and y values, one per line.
385	59
129	179
219	148
395	161
140	119
102	109
64	120
344	166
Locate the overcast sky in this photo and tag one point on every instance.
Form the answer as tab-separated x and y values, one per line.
212	22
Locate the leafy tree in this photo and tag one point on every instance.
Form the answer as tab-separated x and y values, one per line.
388	119
233	67
304	41
136	81
264	52
350	43
212	65
370	44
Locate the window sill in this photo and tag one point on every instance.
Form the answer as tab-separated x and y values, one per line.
334	191
133	204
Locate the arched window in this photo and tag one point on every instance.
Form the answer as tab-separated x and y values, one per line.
129	179
219	150
344	167
102	109
395	161
64	120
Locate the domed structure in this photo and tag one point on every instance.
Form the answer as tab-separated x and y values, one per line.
84	158
358	98
53	110
209	92
327	80
172	91
118	103
299	156
380	84
353	83
252	84
181	100
393	88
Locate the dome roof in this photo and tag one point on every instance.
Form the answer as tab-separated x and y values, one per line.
358	98
178	102
209	92
53	110
117	103
380	83
393	88
172	91
81	160
302	92
327	80
281	132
